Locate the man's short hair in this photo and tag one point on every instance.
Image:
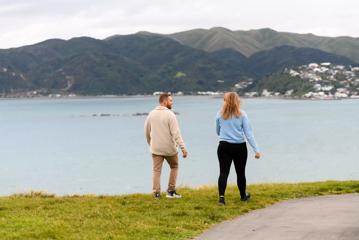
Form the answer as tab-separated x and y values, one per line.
163	97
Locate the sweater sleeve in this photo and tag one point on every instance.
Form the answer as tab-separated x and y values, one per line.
147	129
218	126
175	131
249	133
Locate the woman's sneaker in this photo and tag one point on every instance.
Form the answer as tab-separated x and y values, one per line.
246	198
173	194
221	201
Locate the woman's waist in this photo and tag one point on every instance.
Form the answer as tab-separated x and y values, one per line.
232	142
237	138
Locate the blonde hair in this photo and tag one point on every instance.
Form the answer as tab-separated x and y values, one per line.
231	105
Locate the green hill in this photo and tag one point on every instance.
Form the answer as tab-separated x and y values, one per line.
279	58
119	65
141	64
253	41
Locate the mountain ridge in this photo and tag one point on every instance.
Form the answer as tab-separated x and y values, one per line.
252	41
143	63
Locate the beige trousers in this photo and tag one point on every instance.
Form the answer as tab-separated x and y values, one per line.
157	169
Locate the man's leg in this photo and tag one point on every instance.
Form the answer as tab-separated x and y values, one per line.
173	162
157	168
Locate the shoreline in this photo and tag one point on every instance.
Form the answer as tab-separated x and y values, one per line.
84	97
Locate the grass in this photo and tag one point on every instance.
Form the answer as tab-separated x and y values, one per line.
138	216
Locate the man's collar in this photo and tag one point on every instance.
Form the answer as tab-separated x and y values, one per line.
161	107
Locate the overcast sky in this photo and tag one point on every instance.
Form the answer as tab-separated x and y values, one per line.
25	22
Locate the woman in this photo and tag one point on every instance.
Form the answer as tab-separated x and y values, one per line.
233	128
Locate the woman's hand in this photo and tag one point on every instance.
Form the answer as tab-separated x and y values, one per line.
258	155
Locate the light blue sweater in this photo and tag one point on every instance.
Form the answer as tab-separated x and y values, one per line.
235	130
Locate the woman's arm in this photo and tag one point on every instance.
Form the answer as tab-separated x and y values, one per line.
249	133
218	126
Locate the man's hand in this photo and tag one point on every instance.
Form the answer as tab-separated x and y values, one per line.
184	153
258	155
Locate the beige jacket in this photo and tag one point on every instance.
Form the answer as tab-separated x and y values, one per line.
162	132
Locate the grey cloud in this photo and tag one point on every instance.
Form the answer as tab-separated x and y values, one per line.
29	21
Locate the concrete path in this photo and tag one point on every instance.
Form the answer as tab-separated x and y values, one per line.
317	218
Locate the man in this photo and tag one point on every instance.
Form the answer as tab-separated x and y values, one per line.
164	136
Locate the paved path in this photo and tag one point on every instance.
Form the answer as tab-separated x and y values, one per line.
317	218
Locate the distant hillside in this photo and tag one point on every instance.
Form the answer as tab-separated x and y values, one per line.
320	81
278	58
82	65
141	64
174	67
253	41
132	64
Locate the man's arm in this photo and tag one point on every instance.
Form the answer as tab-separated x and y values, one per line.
148	129
176	133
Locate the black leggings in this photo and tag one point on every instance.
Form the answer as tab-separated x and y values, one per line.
228	152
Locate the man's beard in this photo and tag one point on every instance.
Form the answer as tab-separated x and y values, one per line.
169	106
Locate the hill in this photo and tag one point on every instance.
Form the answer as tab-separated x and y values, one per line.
253	41
140	64
279	58
317	81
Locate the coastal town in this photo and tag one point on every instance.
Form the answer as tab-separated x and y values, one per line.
328	81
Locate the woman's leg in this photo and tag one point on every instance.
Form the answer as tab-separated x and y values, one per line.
225	161
240	161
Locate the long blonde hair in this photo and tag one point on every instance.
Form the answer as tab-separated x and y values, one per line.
231	105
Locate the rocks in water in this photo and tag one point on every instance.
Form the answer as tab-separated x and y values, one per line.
145	114
139	114
105	115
